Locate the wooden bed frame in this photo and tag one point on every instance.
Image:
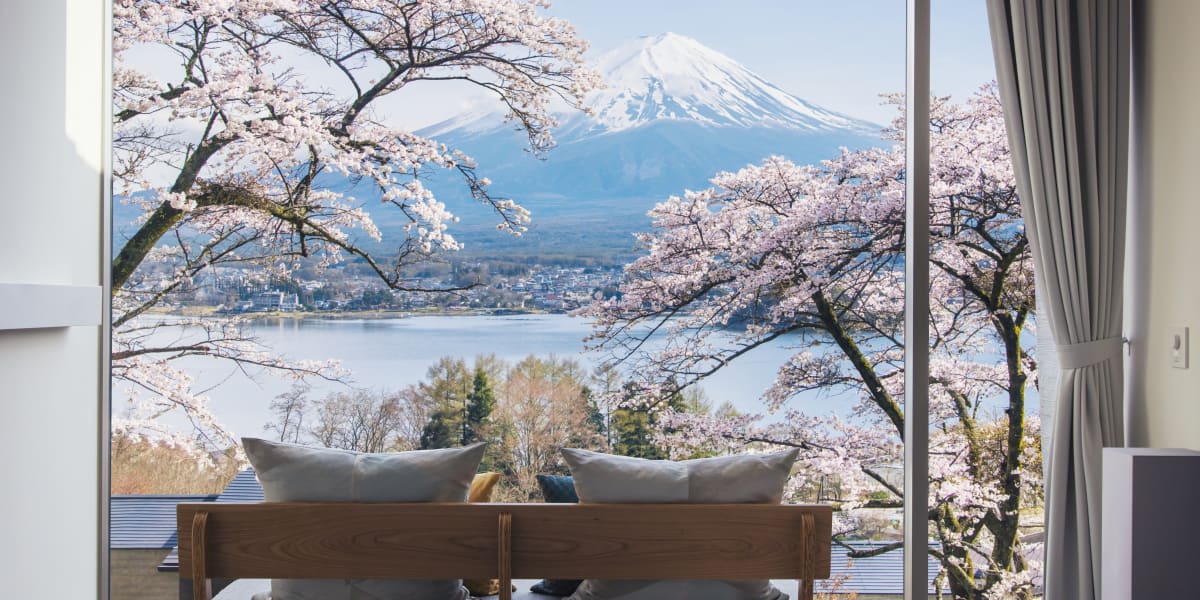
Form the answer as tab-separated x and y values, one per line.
480	541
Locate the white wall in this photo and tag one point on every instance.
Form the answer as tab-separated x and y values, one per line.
51	151
1164	403
1149	523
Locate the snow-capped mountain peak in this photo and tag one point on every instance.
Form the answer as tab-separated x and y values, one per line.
671	77
671	58
674	77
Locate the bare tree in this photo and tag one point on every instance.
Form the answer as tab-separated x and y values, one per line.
359	420
541	408
418	409
288	409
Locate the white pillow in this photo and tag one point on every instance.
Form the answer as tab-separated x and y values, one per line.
748	479
292	473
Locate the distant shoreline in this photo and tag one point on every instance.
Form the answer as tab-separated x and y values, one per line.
347	315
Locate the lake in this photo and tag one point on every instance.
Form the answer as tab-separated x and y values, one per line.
396	352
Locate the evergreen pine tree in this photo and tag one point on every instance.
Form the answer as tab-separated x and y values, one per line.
595	414
480	404
438	433
631	430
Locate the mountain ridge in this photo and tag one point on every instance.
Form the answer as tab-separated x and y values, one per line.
671	77
676	114
674	77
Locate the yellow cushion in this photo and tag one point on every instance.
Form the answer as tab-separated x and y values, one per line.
482	486
483	587
481	491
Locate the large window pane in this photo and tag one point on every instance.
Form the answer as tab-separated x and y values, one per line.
985	435
757	154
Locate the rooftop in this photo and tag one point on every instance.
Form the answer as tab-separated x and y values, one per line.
146	522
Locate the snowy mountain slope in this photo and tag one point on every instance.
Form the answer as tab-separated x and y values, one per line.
670	77
673	115
673	77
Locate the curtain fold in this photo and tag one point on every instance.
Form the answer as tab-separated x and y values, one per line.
1063	70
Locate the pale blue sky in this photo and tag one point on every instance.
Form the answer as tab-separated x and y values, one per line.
838	54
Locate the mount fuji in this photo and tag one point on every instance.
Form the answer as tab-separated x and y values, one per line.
673	114
670	77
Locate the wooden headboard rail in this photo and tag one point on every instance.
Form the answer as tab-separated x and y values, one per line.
479	541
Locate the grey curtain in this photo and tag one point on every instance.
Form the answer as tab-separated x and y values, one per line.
1063	69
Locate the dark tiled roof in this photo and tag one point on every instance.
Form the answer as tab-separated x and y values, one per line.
146	522
882	574
243	488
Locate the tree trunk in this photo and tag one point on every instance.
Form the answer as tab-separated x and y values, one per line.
165	216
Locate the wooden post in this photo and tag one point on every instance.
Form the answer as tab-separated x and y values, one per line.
808	540
201	587
504	554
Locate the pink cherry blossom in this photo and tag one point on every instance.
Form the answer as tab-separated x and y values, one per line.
229	144
813	257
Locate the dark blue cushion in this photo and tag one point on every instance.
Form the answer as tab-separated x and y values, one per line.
557	489
555	587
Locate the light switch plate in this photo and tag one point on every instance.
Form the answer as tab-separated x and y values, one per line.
1179	347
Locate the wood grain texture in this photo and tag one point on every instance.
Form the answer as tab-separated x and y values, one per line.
561	541
808	542
201	585
505	555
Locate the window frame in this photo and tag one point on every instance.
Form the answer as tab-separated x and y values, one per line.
104	481
916	301
916	305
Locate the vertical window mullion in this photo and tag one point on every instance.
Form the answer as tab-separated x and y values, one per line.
104	478
916	303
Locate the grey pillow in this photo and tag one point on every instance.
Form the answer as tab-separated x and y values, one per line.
292	473
748	479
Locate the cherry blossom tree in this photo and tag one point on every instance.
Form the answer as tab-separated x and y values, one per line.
812	257
239	124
